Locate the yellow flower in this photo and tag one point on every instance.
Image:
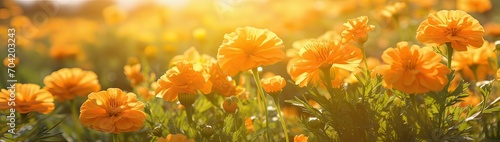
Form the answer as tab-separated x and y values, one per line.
248	48
480	6
29	98
454	26
412	70
113	111
316	56
475	62
134	74
175	138
113	15
300	138
67	83
357	30
273	84
193	56
184	78
392	10
65	51
221	83
150	52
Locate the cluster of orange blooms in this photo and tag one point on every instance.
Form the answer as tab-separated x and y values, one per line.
408	68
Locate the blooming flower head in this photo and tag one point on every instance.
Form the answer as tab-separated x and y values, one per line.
184	78
29	98
248	48
300	138
175	138
412	69
475	62
453	26
273	84
67	83
221	83
357	30
112	111
192	55
133	73
480	6
317	55
249	124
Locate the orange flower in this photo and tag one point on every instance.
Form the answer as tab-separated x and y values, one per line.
193	56
7	61
300	138
249	124
175	138
65	51
133	73
317	55
357	30
273	84
472	100
412	70
221	83
475	62
184	78
454	26
480	6
492	29
392	10
498	75
229	105
112	111
29	98
248	48
145	93
67	83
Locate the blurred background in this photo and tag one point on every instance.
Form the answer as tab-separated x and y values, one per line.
105	35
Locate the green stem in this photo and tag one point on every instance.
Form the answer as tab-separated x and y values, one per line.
282	120
115	137
328	81
361	46
74	115
263	97
449	52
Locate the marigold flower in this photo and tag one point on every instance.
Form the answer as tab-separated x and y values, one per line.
29	98
472	100
7	61
113	111
412	70
300	138
248	48
480	6
192	55
113	15
184	78
317	55
454	26
492	29
229	105
221	83
67	83
475	62
249	124
498	75
133	73
65	51
273	84
392	10
175	138
357	30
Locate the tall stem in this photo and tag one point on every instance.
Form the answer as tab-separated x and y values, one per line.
115	137
449	52
74	115
361	46
263	97
328	81
282	119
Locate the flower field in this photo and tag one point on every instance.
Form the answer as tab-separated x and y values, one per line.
250	70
